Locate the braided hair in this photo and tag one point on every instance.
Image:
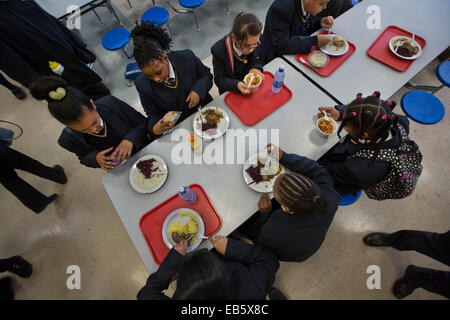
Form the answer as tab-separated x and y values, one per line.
150	42
370	115
299	194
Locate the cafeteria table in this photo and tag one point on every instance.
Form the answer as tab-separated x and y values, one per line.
224	183
360	72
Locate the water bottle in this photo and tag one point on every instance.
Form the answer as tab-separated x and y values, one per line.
187	194
56	67
278	80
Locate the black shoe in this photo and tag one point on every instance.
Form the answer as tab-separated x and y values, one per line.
49	200
18	93
376	239
20	266
61	176
401	288
6	292
275	294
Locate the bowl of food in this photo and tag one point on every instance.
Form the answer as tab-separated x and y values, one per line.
254	83
171	116
405	47
326	127
318	59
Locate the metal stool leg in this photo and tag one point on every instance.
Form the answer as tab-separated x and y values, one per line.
98	17
430	88
196	21
228	11
129	3
124	49
154	3
110	8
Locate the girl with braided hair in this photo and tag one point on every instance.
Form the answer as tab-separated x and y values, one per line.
170	80
371	125
304	207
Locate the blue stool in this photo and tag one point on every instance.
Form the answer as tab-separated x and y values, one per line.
422	107
157	15
442	73
354	2
348	199
116	39
191	5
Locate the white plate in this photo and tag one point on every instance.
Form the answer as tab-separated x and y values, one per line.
330	50
159	179
174	217
211	134
263	186
411	40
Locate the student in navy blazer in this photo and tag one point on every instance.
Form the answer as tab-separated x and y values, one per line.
241	45
173	81
288	26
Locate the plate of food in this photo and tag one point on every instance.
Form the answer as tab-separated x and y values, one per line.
148	174
186	224
260	172
318	59
336	47
212	123
253	81
405	47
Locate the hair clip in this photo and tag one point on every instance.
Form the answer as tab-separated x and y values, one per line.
358	95
392	116
383	117
58	94
389	103
368	111
354	114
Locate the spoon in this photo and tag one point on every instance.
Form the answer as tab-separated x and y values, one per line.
201	115
307	63
325	115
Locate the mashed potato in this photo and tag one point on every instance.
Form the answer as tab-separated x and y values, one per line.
184	228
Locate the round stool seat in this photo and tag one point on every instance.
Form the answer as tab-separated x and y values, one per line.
157	15
349	198
354	2
423	107
191	3
116	38
443	73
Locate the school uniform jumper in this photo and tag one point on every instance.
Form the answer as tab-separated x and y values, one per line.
296	237
287	30
250	271
159	98
120	122
224	77
353	174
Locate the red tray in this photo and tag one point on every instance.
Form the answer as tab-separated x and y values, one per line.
334	61
151	223
380	51
254	107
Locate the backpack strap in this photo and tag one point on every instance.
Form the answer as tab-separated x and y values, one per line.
230	51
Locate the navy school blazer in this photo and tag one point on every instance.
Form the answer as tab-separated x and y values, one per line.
224	78
285	32
157	99
353	174
250	271
126	121
296	237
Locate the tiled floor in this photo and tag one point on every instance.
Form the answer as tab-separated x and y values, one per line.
82	227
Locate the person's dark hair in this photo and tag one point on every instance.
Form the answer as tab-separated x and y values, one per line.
300	194
245	25
371	115
150	42
68	109
201	277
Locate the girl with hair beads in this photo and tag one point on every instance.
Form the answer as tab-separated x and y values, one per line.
102	133
308	202
235	55
170	81
359	160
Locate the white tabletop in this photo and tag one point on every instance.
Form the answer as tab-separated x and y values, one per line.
234	200
361	73
58	8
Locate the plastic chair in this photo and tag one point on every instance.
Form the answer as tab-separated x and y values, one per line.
116	39
442	73
422	107
190	5
349	198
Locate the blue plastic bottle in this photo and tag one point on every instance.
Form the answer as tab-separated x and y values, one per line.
278	80
187	194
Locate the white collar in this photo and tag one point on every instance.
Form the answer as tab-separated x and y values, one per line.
171	72
238	52
101	124
303	10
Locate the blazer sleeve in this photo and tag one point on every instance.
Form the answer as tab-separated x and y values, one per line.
282	40
222	81
204	77
154	114
138	135
160	280
69	142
